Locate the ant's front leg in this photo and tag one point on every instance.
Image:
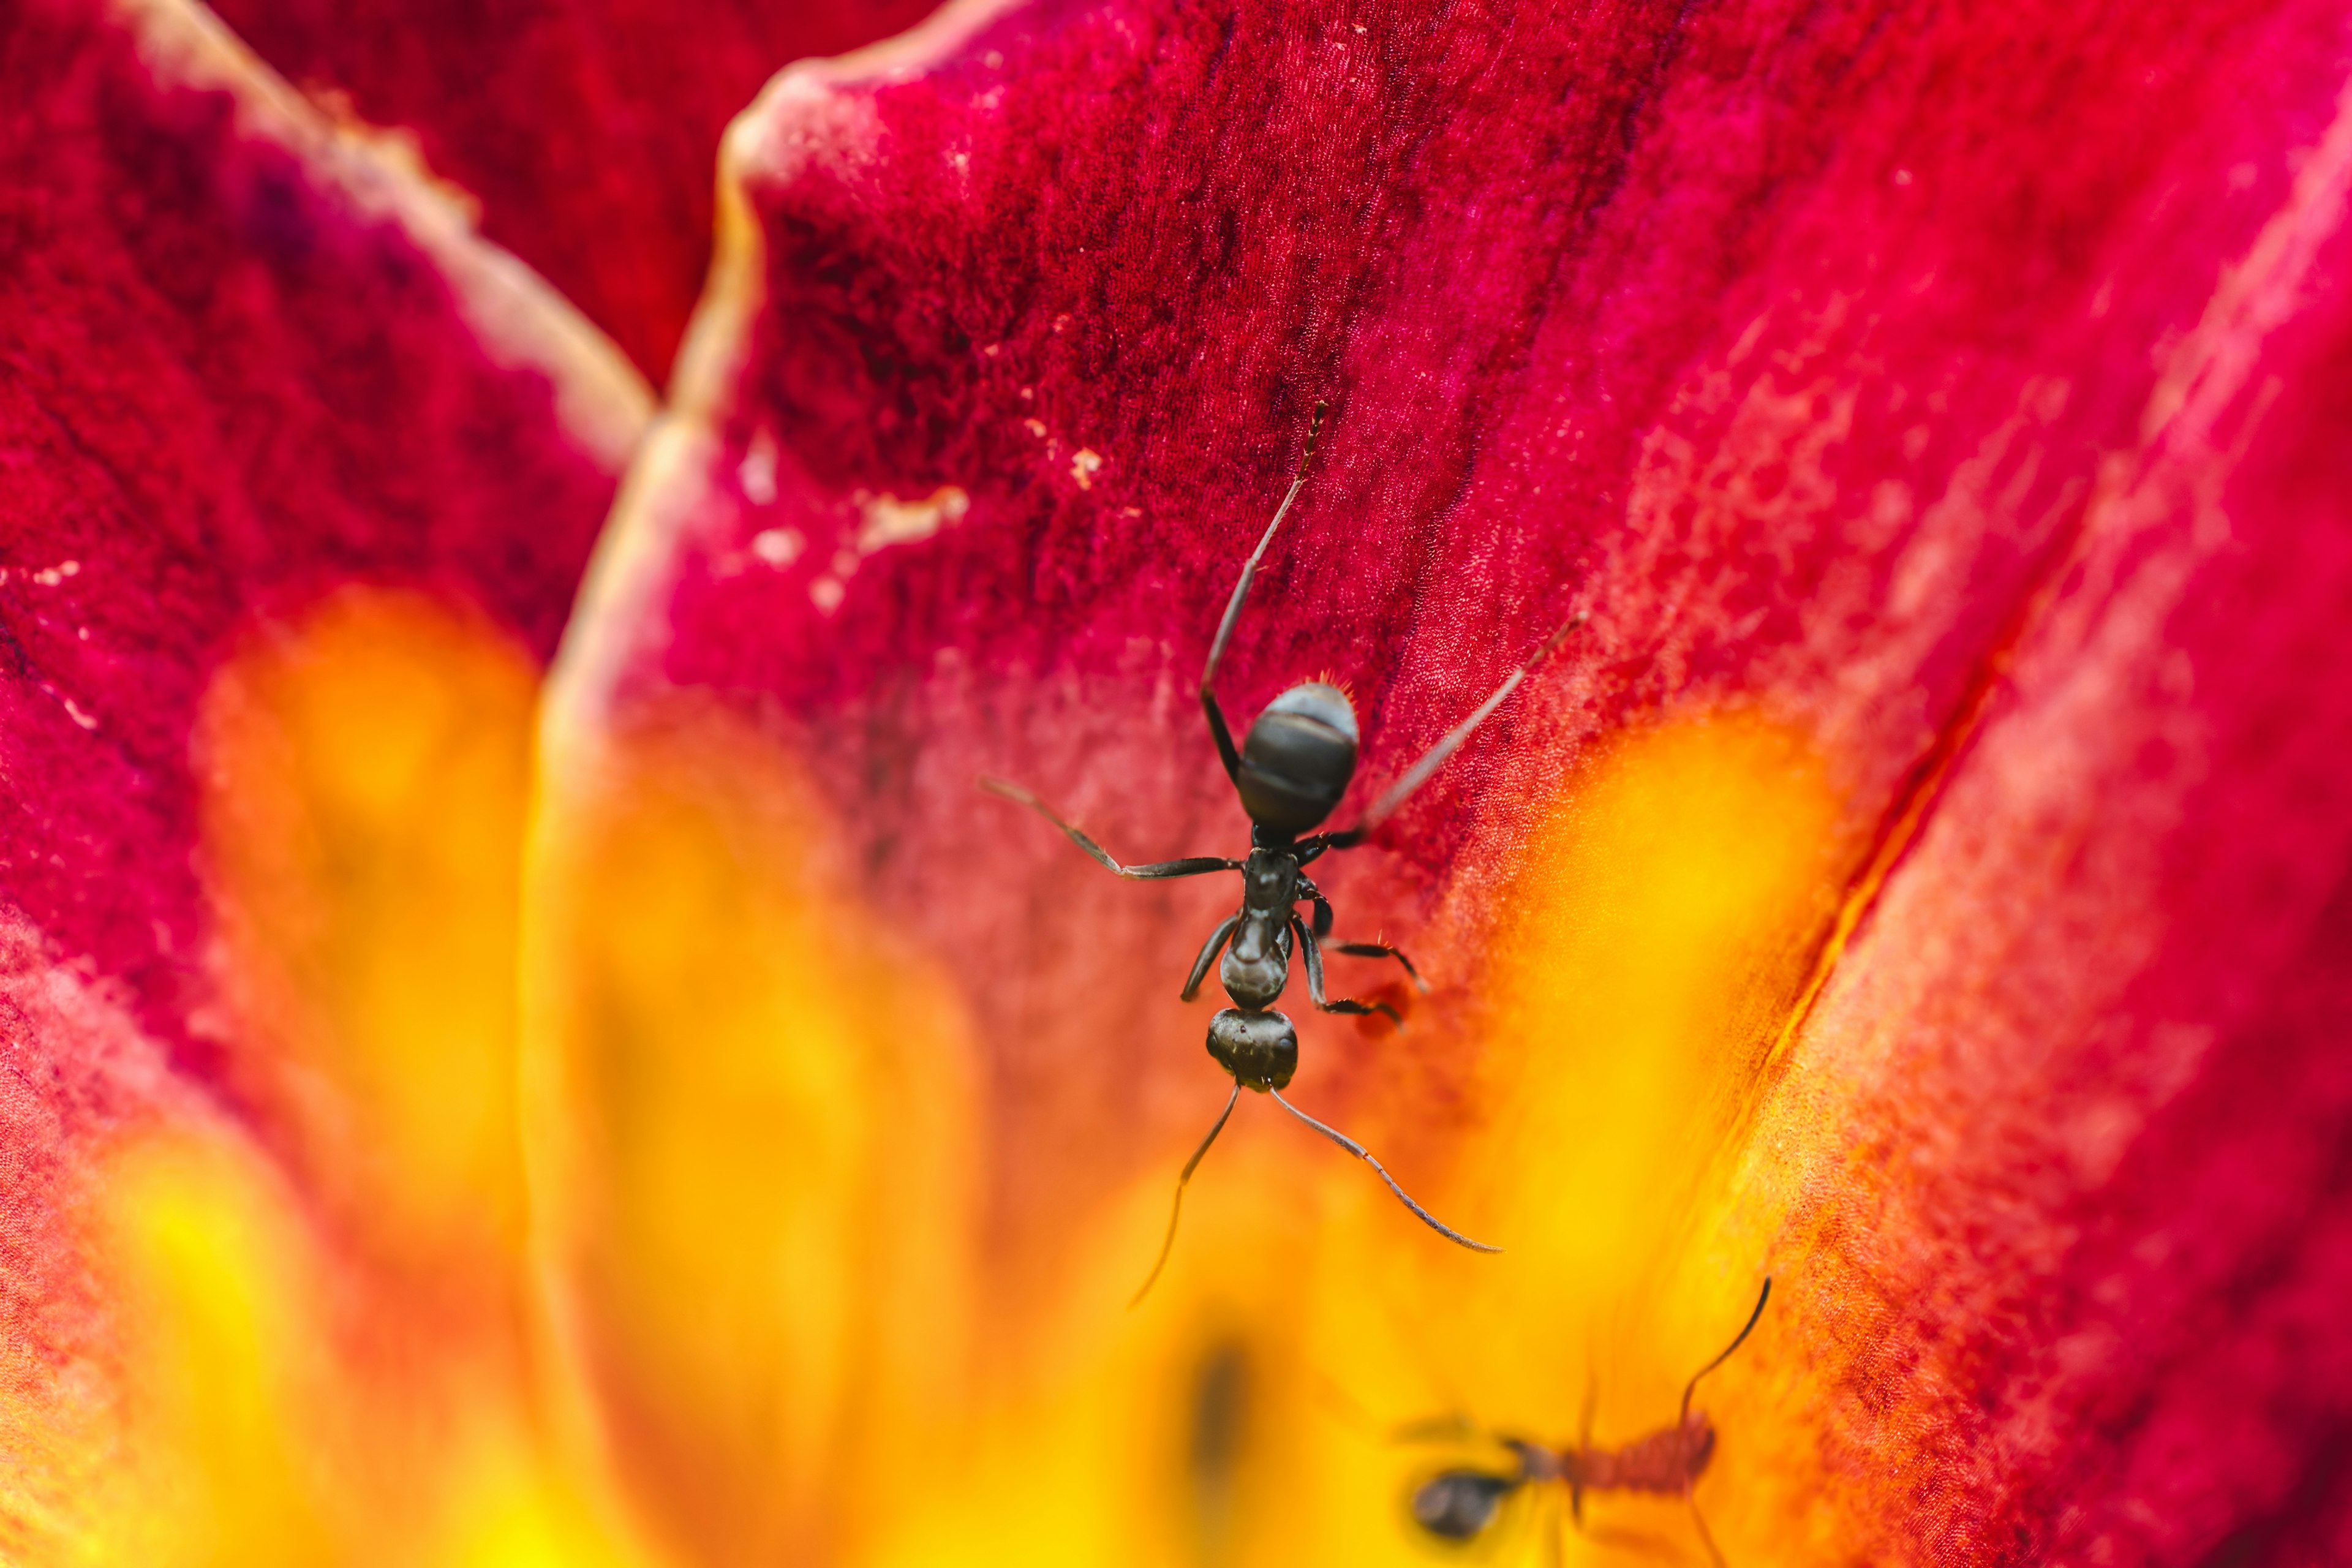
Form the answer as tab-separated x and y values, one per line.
1195	866
1315	980
1209	950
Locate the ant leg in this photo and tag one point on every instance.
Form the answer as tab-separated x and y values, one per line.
1705	1536
1455	1429
1217	940
1361	1153
1216	715
1584	1445
1322	926
1196	866
1176	1209
1315	980
1433	759
1381	950
1309	892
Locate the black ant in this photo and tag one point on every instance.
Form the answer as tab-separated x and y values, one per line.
1457	1505
1290	771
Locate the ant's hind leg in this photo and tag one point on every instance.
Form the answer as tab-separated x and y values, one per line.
1195	866
1433	759
1315	980
1381	950
1218	730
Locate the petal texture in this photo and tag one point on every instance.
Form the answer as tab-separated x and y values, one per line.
587	133
1906	877
248	361
303	476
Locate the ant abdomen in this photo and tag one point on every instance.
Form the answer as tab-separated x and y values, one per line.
1298	758
1260	1050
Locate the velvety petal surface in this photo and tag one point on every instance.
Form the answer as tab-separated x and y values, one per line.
301	478
1918	878
248	362
587	133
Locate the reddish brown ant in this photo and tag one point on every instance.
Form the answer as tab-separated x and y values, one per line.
1459	1504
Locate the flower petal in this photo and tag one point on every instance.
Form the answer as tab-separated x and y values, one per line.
1892	392
303	477
587	132
249	363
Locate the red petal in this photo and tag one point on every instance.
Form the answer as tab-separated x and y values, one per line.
258	380
588	131
1963	392
248	360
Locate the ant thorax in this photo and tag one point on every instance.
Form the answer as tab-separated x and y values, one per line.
1257	966
1270	880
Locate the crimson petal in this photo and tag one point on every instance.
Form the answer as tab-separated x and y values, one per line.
1960	392
587	132
249	359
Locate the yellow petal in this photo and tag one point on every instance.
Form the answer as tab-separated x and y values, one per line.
366	774
224	1375
758	1160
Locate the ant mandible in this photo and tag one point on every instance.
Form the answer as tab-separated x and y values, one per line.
1457	1505
1290	771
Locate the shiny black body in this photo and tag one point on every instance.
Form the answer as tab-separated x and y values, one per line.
1291	770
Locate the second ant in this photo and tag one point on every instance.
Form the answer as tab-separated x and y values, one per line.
1461	1503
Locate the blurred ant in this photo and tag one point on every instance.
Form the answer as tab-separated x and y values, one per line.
1290	771
1457	1505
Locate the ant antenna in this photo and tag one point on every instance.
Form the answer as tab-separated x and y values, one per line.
1176	1209
1738	1340
1434	758
1705	1536
1361	1153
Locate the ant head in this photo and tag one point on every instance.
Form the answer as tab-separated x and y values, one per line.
1298	758
1698	1441
1456	1505
1260	1050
